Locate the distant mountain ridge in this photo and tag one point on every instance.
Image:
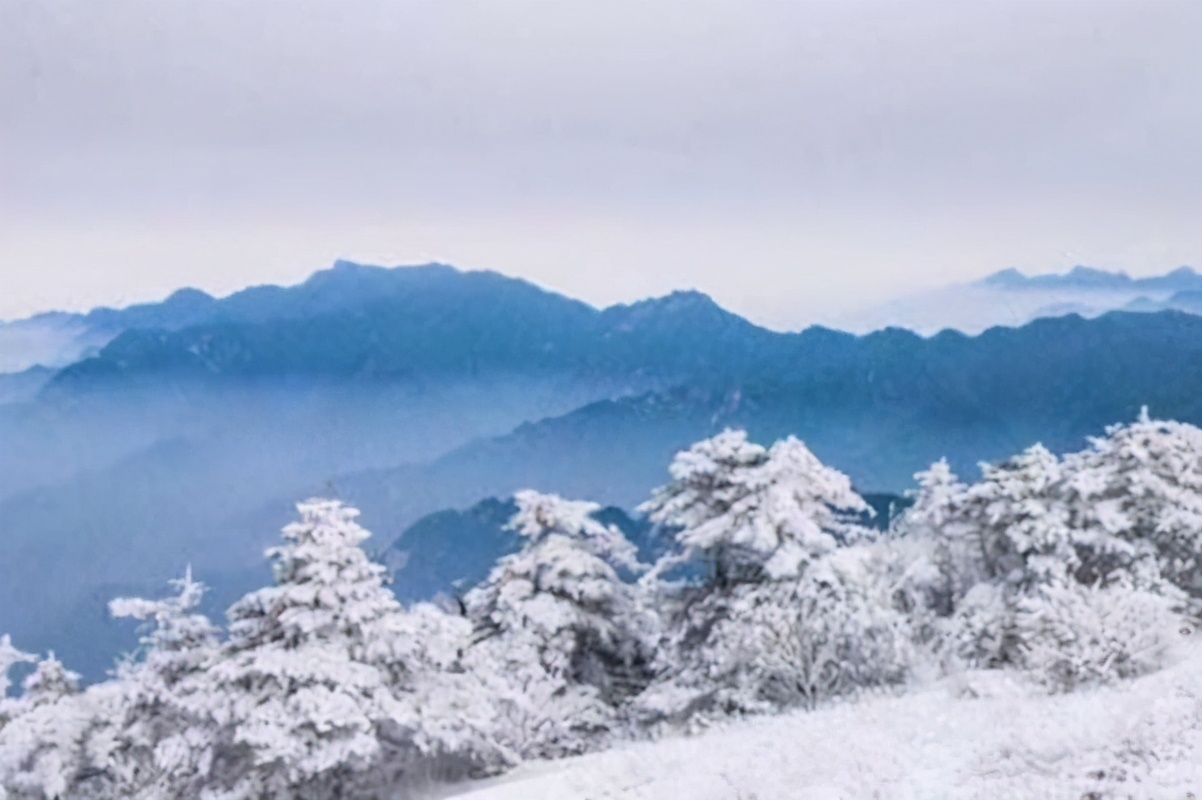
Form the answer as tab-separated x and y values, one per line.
345	284
429	322
1012	298
1089	278
1189	301
58	339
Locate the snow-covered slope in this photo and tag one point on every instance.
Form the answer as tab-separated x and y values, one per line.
982	735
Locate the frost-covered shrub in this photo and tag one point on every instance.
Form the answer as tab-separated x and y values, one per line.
905	571
762	647
1072	635
560	638
979	633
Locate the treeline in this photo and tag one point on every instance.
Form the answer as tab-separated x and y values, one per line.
1070	571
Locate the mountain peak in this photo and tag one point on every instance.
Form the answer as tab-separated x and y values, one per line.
1005	277
681	308
188	297
343	270
675	301
683	299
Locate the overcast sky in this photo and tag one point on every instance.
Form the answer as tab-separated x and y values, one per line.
787	157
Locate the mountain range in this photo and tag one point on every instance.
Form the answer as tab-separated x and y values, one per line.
186	437
1008	297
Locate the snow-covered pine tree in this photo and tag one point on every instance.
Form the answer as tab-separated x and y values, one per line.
317	685
1019	520
930	560
752	513
164	742
455	711
1141	485
935	498
559	633
996	540
992	541
47	749
49	682
780	618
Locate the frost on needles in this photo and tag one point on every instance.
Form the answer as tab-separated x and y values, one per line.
1066	571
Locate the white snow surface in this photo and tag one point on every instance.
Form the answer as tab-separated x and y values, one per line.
976	735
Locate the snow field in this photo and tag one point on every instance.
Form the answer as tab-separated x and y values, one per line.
1140	739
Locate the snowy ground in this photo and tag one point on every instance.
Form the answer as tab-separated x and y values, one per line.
1141	740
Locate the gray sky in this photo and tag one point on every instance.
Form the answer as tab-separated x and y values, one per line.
790	158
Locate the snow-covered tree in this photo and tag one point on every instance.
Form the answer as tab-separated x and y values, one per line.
752	513
178	641
1019	520
936	496
316	687
47	749
787	614
562	637
980	631
1022	552
1141	484
971	545
995	541
455	710
707	484
10	656
164	741
937	546
49	682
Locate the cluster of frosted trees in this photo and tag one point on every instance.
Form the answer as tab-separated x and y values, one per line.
1071	571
